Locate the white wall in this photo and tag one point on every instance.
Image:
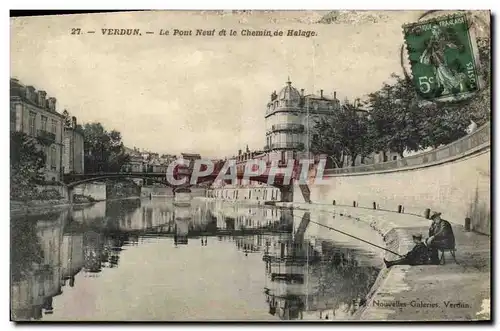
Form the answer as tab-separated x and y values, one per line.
459	188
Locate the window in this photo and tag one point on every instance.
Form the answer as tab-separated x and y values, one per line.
32	120
394	157
44	123
54	127
53	157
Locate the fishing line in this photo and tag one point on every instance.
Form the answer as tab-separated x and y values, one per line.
349	235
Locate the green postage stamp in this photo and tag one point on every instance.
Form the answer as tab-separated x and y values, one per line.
442	57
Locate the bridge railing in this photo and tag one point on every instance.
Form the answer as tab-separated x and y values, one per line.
477	138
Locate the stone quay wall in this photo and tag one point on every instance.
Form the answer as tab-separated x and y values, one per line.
453	179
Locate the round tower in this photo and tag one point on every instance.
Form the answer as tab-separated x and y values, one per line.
285	131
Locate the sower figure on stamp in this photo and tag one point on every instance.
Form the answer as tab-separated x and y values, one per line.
440	237
417	256
434	54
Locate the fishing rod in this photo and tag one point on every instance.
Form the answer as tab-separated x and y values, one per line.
349	235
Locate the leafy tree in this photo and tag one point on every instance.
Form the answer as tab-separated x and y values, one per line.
354	130
104	151
443	125
396	117
326	139
26	166
343	134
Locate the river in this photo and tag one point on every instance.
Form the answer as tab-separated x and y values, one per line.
148	260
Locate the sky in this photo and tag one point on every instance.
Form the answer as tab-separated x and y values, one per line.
208	95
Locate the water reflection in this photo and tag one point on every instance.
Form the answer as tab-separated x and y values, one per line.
297	272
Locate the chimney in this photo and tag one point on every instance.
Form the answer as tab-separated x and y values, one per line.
302	92
335	95
41	98
73	122
239	152
321	93
30	93
52	104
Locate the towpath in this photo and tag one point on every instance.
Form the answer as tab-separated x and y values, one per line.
424	293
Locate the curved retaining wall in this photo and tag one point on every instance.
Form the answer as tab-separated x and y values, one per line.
454	180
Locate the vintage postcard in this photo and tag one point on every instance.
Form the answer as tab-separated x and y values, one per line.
250	166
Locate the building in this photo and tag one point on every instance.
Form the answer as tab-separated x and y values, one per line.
136	162
144	161
244	189
288	117
73	152
36	115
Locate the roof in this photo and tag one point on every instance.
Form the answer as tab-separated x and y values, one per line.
289	93
317	97
18	90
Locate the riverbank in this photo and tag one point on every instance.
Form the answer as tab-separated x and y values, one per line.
422	293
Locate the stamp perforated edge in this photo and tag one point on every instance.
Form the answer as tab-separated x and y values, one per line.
474	50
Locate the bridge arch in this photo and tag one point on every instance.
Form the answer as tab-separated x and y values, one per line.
116	177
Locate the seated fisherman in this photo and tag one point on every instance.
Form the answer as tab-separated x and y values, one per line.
418	255
440	236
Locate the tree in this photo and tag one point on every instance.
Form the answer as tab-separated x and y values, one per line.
342	134
326	140
104	151
353	130
443	124
26	166
396	117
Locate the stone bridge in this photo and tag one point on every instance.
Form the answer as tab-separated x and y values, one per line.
72	180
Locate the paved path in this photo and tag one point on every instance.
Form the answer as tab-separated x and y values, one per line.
424	293
467	285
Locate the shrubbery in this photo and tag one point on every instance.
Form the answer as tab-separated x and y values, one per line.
49	194
80	198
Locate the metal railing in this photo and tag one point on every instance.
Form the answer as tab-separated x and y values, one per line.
477	138
298	128
286	145
46	136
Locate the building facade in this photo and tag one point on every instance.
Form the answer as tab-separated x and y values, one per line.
32	113
73	152
289	116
